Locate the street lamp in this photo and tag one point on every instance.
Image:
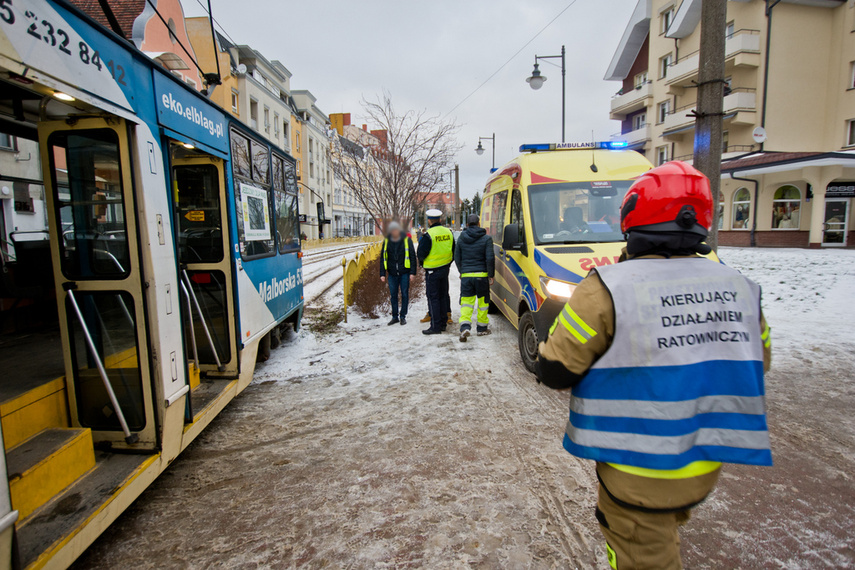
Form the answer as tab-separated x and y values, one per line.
479	150
537	78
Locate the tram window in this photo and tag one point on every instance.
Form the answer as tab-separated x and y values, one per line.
285	197
253	200
90	202
200	227
260	159
240	155
210	290
111	322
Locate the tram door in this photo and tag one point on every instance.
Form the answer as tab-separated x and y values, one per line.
205	264
99	283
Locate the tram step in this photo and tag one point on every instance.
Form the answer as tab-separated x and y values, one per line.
45	464
35	410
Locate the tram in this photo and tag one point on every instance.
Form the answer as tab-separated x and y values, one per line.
170	263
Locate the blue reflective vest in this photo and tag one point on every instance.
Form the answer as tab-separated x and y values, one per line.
683	378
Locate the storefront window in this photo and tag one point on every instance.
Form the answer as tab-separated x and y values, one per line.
786	208
741	209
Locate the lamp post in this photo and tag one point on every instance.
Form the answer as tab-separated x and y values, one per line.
537	78
479	150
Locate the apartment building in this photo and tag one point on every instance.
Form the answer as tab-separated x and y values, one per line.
315	173
790	68
254	89
349	217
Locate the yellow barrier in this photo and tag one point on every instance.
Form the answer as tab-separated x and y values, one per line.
314	243
353	269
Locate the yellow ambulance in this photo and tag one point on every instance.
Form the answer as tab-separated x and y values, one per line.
554	213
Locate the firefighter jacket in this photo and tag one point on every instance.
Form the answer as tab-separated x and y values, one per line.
665	358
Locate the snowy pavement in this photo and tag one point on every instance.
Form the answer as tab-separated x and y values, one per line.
376	447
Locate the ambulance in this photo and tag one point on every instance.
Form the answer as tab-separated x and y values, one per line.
554	214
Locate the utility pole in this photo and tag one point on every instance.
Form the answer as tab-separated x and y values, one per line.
709	111
456	194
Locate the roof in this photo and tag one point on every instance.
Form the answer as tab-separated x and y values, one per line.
126	11
436	198
781	161
631	42
352	148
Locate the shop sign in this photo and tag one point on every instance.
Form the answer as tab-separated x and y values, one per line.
840	190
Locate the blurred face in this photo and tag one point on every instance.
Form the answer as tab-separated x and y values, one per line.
395	234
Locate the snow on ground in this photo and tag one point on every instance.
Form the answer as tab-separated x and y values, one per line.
376	447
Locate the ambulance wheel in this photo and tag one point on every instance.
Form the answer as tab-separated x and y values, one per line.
528	341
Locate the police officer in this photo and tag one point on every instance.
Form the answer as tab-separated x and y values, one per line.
436	251
665	353
475	260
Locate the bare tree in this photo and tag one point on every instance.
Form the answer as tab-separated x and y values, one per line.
389	173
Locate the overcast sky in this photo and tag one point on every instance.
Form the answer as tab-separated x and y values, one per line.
430	55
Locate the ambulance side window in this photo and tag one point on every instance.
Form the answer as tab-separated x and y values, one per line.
517	215
497	216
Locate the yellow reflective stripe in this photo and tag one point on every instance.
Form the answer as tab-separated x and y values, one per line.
612	556
406	252
555	324
767	341
579	320
386	254
694	469
573	330
478	274
577	327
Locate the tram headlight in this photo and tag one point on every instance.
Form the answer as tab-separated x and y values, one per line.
556	289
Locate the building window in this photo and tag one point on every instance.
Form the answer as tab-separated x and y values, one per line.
640	79
8	142
666	18
276	125
639	121
23	198
253	114
721	211
235	108
850	132
285	131
741	209
297	141
725	140
852	75
786	208
664	110
266	119
729	30
661	155
664	63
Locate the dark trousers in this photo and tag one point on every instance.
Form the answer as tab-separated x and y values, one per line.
439	300
402	283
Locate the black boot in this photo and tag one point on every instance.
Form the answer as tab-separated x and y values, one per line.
394	321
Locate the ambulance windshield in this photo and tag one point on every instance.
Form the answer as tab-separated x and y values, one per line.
577	212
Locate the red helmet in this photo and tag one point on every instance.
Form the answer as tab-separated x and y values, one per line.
670	197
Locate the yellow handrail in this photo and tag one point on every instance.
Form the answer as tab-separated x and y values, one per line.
314	243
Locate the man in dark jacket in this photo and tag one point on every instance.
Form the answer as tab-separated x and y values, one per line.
398	263
473	256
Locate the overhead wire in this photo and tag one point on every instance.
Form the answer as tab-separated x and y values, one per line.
222	29
510	59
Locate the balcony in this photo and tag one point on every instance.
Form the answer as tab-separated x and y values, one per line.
739	107
741	49
636	137
624	103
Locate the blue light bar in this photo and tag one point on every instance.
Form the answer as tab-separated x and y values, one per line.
535	147
607	145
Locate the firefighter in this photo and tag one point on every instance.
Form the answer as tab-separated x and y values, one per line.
435	253
476	263
665	354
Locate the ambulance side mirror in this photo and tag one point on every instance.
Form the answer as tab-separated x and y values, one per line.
512	240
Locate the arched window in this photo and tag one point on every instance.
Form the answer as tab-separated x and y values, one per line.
741	209
786	208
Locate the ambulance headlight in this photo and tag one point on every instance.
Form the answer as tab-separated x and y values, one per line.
556	289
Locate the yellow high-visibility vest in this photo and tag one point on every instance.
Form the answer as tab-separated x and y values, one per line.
441	249
406	253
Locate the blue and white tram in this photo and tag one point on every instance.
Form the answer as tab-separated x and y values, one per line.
174	247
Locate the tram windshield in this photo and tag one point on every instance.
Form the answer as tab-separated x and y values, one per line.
577	212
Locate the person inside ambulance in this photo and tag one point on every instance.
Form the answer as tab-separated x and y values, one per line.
573	221
665	354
